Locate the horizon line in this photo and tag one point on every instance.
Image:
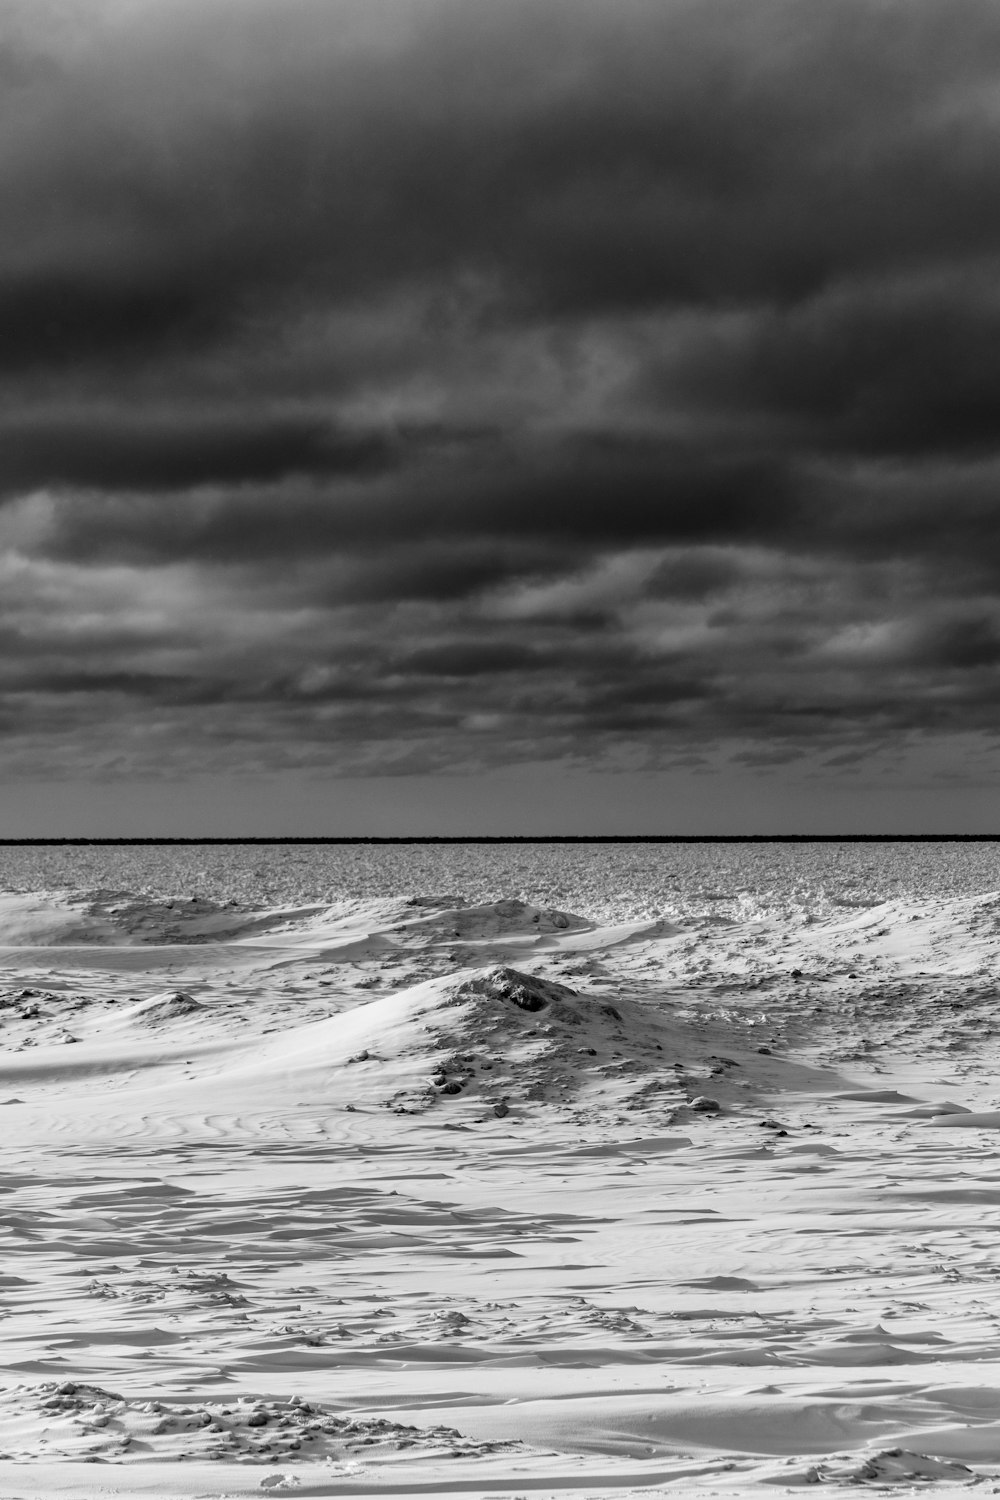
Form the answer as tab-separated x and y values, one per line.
511	838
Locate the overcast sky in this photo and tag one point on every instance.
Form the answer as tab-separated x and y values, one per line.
444	415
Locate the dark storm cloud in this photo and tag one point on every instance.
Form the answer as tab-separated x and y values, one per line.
57	317
585	157
508	381
694	574
964	643
908	367
141	685
944	514
583	493
468	658
124	453
438	572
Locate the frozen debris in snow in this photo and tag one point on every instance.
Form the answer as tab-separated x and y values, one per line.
74	1420
900	1466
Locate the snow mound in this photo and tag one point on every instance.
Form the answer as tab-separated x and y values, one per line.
181	921
497	919
168	1006
47	920
498	1039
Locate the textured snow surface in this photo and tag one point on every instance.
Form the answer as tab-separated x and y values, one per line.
494	1186
607	883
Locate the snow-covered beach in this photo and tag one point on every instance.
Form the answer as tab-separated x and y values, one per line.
499	1170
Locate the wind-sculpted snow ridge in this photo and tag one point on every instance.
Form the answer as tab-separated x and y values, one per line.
490	919
65	918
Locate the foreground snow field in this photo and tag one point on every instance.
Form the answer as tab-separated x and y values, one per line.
416	1194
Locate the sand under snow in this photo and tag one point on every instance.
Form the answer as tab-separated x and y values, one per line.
425	1195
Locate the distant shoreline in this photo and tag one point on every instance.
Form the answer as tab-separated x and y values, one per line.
526	838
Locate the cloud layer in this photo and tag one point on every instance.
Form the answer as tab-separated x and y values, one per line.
440	384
